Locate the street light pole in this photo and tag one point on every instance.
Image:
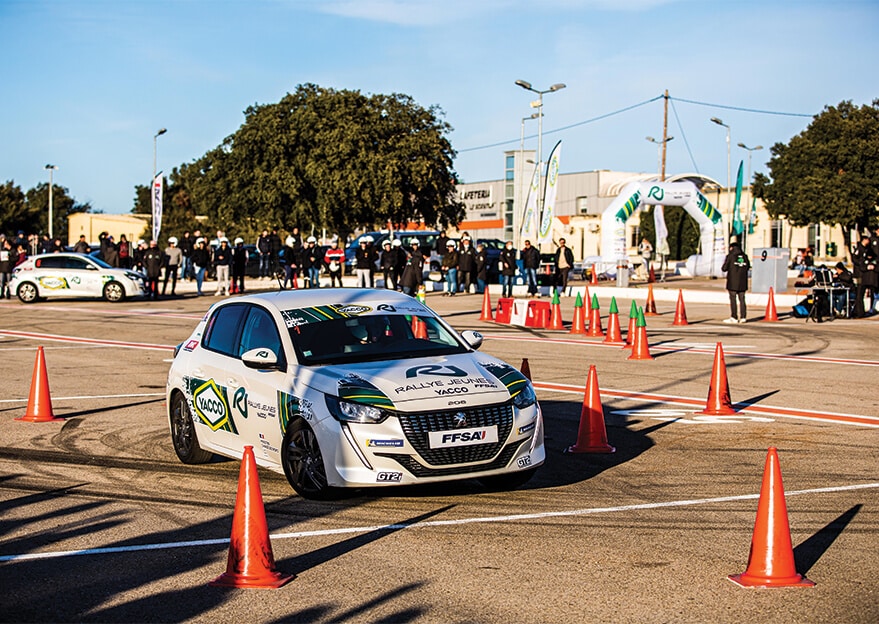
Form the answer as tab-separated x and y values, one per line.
750	150
51	169
538	104
522	137
660	145
719	122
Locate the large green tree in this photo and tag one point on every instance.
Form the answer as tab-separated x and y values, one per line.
829	173
322	158
29	211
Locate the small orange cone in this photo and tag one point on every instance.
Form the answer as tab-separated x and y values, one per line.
525	369
614	336
556	318
771	559
650	306
486	307
651	275
592	436
680	311
771	312
633	326
39	402
595	319
719	403
419	329
640	346
594	279
251	562
579	324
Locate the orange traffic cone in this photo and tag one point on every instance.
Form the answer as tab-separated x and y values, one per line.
640	346
614	336
486	307
39	402
592	436
650	306
578	326
651	275
594	279
771	312
771	560
556	318
419	328
525	369
595	319
680	311
251	562
719	403
633	326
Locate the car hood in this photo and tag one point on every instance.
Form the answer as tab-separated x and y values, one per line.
422	383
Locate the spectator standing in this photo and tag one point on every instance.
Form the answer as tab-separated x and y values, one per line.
153	259
173	259
264	248
274	251
22	255
507	261
530	263
364	262
450	268
137	257
466	265
866	276
311	261
386	262
200	259
111	252
239	265
187	244
45	244
222	262
291	263
441	247
334	259
81	245
413	273
736	265
564	262
645	249
481	260
7	263
124	252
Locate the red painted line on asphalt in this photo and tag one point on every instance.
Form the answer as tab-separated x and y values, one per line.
682	349
853	419
92	341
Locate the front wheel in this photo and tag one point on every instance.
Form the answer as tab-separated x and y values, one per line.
183	433
113	292
304	463
27	292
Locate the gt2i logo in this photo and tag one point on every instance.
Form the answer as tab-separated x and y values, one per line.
524	462
389	477
435	369
210	405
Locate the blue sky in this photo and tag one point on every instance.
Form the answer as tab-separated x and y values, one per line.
86	84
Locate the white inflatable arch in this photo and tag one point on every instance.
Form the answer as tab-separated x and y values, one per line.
637	194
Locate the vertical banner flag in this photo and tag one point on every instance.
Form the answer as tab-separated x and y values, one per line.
752	221
157	205
737	225
529	221
544	233
661	230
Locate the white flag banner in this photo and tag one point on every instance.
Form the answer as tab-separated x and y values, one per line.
529	221
661	230
156	194
544	233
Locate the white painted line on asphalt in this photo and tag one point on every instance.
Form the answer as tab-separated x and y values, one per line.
432	523
93	396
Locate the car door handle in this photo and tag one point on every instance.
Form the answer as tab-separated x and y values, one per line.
198	372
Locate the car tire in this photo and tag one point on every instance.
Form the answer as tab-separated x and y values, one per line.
183	435
303	462
114	292
509	481
27	292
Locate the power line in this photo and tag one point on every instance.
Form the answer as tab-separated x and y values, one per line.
741	108
683	134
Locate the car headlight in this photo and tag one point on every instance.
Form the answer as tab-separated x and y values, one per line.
525	397
346	411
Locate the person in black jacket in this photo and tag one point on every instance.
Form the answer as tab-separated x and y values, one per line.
413	274
530	263
239	265
737	265
450	267
466	265
564	262
481	259
866	275
507	261
153	261
200	258
388	262
274	251
222	261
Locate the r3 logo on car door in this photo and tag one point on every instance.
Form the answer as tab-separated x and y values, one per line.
211	405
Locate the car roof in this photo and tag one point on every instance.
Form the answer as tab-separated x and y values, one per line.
312	297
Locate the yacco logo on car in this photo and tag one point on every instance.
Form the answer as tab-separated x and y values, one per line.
53	283
210	405
463	437
385	443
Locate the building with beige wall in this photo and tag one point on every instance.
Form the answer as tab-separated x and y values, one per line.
134	226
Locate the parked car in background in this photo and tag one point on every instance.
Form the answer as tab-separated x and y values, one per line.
73	275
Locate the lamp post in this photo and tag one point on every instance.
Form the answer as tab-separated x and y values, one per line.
153	179
522	136
538	104
719	122
660	145
51	169
750	150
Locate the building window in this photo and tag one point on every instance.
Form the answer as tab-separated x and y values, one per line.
815	238
775	233
511	162
636	236
582	205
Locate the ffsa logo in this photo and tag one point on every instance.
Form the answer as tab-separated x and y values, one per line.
435	369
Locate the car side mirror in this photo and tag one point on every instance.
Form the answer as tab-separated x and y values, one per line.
472	338
260	358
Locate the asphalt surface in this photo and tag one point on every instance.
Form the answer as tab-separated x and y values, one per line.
101	523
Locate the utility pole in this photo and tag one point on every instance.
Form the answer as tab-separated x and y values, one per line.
665	138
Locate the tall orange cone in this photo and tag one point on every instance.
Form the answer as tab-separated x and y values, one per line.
419	328
556	318
771	312
579	324
640	346
486	307
595	319
651	275
251	562
594	279
633	325
614	336
680	311
719	403
39	402
592	436
525	369
771	560
650	306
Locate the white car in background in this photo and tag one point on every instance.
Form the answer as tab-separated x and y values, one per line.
73	275
350	388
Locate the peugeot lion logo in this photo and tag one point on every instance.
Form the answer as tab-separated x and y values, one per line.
460	420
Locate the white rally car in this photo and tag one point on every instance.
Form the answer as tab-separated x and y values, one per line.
350	387
73	275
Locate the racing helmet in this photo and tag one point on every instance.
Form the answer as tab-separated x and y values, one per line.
413	241
311	239
172	240
367	239
397	243
198	240
289	241
239	240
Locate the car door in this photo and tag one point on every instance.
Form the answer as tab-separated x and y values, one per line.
50	273
83	277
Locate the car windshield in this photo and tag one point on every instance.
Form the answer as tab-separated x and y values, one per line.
368	337
100	263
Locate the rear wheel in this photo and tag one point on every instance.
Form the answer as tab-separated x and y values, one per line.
509	481
113	292
27	293
183	433
304	463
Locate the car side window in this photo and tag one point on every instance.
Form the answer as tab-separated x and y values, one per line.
76	263
223	330
260	331
50	263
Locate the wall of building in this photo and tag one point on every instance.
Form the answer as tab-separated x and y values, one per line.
132	225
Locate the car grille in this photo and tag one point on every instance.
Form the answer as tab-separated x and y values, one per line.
417	425
411	464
